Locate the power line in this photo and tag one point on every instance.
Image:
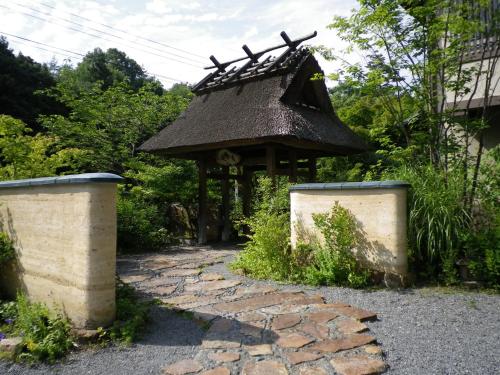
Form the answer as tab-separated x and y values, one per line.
75	53
127	33
106	39
48	50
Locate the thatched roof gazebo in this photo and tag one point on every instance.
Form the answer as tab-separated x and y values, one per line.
268	114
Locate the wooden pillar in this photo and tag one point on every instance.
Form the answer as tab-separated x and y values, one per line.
312	170
226	208
247	191
292	155
271	162
202	202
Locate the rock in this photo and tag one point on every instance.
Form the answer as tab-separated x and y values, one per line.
211	276
204	286
299	357
373	349
12	345
250	317
262	349
333	305
186	366
253	329
293	340
156	282
317	331
285	321
220	344
224	357
357	365
246	291
255	303
163	290
264	368
349	326
312	371
134	278
322	316
217	371
177	272
355	313
182	299
349	342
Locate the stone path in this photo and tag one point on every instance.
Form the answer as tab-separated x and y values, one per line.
253	328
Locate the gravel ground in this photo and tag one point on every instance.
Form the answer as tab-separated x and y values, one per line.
422	331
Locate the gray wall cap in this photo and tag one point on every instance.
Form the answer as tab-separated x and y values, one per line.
83	178
390	184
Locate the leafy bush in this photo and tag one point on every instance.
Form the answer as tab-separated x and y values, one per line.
46	336
333	263
7	251
131	317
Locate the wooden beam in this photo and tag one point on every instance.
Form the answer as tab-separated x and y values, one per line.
312	170
202	202
226	208
247	191
293	165
271	162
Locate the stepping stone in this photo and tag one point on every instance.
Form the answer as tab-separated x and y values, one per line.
217	371
220	344
355	313
284	309
255	303
186	366
357	365
156	282
224	357
205	313
181	272
349	342
255	350
220	327
246	291
211	276
299	357
332	305
312	371
373	349
134	278
310	300
318	331
264	368
349	326
204	286
293	340
182	299
250	316
164	290
322	316
159	265
285	321
253	329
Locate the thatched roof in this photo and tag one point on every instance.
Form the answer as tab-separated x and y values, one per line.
282	106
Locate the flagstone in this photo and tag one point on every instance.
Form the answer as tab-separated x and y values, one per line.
212	276
299	357
355	313
261	349
357	365
254	303
332	305
134	278
285	321
224	357
348	326
157	281
349	342
164	290
372	349
181	272
186	366
318	331
220	344
204	286
293	340
250	316
323	316
264	368
253	329
312	371
217	371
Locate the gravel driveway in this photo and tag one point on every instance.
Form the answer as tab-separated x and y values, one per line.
421	331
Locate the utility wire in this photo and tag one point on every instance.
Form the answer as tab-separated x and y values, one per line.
97	30
127	33
75	53
106	39
48	50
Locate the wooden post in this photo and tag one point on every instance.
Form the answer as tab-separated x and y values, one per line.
202	202
312	169
271	162
247	191
293	166
226	208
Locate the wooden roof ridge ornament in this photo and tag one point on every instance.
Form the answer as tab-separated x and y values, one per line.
265	114
252	67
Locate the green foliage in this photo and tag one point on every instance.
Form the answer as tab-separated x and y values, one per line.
7	251
25	156
333	262
46	337
131	317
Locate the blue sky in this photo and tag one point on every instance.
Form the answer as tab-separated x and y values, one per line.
198	27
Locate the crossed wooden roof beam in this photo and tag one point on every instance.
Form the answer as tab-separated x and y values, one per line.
253	67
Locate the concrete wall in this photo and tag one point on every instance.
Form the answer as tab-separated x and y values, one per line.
380	210
64	230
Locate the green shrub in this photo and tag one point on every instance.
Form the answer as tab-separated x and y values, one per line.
46	336
7	251
333	263
131	317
